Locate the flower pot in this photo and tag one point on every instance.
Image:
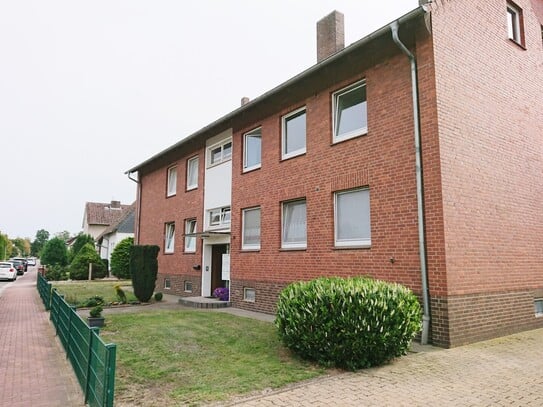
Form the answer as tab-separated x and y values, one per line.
95	321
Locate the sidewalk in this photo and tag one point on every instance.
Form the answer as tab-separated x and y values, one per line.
34	370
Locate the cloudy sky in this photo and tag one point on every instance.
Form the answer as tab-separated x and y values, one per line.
89	89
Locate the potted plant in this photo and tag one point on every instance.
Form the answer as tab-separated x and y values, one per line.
96	318
221	293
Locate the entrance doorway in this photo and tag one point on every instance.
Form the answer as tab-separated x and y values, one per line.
217	250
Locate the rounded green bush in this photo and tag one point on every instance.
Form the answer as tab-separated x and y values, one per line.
158	296
350	323
79	269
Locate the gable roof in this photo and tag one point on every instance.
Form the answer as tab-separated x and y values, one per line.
125	224
104	214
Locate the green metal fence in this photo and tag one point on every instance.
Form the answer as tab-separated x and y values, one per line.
44	289
93	361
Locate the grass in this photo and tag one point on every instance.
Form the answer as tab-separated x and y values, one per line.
77	293
193	357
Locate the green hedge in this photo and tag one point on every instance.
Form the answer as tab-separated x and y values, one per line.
144	269
348	323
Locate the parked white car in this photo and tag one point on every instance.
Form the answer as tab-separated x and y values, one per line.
7	271
31	261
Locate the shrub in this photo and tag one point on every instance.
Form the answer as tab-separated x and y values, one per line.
120	258
221	293
93	301
158	296
79	269
81	240
143	268
56	273
121	296
349	323
55	253
96	312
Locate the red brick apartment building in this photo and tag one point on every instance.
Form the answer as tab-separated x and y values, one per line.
413	155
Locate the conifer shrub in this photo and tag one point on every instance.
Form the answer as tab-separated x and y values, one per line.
120	258
79	268
350	323
143	269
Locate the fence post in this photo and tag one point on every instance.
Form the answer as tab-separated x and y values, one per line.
109	378
89	361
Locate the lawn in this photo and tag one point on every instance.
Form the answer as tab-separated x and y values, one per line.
194	357
77	293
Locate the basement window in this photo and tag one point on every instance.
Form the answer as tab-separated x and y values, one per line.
187	286
249	294
167	284
538	304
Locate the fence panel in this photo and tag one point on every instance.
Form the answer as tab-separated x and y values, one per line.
44	289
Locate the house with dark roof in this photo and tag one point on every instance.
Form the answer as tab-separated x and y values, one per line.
413	155
116	232
97	216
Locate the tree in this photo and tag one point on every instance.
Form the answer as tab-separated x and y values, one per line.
120	258
65	235
81	240
22	246
144	268
42	236
79	268
5	247
55	253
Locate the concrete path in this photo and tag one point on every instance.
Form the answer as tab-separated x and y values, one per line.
34	371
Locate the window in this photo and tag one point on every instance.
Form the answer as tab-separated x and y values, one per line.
169	238
294	233
167	284
252	150
352	218
190	241
192	173
538	304
251	229
515	23
219	217
187	286
249	294
220	152
293	130
172	181
350	112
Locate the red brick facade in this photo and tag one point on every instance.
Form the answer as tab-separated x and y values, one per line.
481	128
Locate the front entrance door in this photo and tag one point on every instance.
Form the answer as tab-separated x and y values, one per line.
217	250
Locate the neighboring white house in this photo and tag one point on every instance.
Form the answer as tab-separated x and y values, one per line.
99	216
112	235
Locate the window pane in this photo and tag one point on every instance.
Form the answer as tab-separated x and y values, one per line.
215	217
253	149
295	130
170	237
216	155
353	216
294	223
192	173
225	216
172	181
190	241
351	111
251	227
227	151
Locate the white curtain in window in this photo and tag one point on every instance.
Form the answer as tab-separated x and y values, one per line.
294	223
353	216
170	237
192	173
251	227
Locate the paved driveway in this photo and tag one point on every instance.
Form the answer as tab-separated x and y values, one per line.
502	372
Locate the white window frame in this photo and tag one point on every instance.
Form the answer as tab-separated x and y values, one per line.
190	241
253	133
169	237
538	306
167	284
336	115
514	23
358	242
171	185
250	246
223	215
292	245
192	173
187	286
247	297
225	154
284	134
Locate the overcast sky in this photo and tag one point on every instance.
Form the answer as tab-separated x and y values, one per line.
89	89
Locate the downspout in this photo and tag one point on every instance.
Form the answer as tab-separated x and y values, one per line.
418	164
137	181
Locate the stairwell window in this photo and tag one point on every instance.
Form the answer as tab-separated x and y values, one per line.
172	181
293	133
515	23
192	173
219	153
190	237
252	150
294	230
251	229
350	117
352	218
169	237
219	218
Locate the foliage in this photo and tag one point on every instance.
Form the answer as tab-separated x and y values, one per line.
158	296
81	240
119	292
93	301
144	269
64	235
5	247
96	312
55	253
42	236
79	269
221	293
120	258
57	273
188	354
350	323
22	246
78	293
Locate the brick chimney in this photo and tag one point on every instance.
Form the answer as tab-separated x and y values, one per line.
245	100
115	205
330	35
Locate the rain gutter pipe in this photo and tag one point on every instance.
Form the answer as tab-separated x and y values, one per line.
394	26
137	181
